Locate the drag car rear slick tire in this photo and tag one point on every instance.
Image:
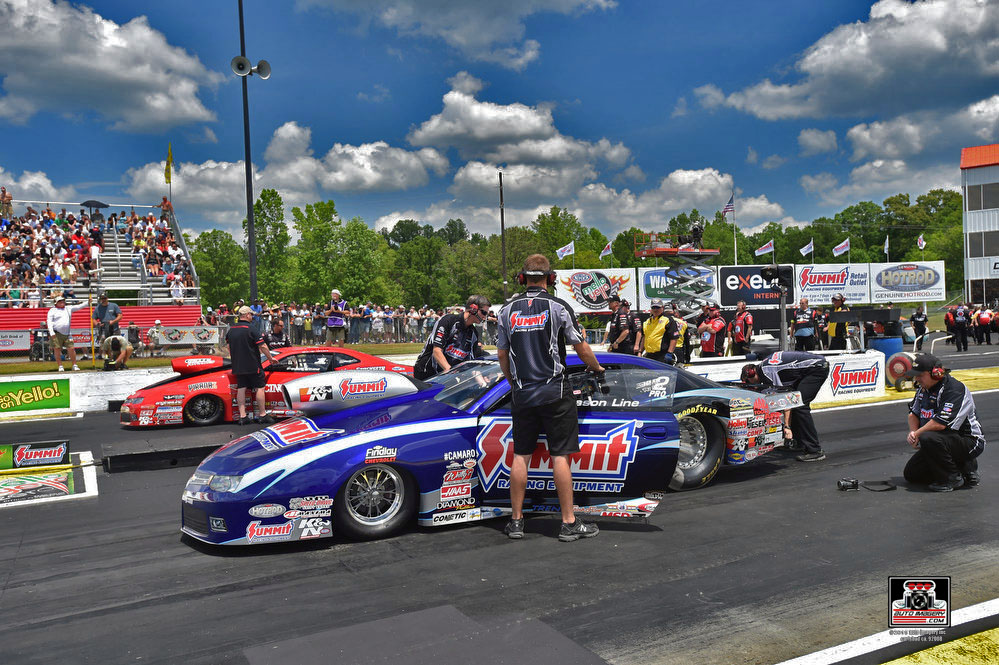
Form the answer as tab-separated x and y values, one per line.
352	525
699	471
203	410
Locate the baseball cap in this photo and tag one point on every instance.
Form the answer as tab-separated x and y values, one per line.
625	302
244	310
924	362
156	322
656	302
839	296
60	297
614	299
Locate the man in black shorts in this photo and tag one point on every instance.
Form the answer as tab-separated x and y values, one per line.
533	329
452	340
245	347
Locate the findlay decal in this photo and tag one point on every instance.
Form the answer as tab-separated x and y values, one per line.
600	457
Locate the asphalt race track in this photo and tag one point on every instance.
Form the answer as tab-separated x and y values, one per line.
768	563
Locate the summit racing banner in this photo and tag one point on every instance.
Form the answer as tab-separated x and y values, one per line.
687	285
588	291
821	281
907	282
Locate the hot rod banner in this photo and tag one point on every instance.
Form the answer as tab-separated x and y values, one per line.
588	290
907	282
820	282
687	285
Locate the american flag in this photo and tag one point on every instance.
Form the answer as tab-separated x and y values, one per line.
605	251
730	206
920	242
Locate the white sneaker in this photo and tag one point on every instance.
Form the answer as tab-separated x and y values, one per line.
76	368
61	368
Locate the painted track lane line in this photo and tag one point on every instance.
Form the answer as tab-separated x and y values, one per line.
885	639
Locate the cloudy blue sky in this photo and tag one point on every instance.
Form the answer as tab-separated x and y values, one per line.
624	111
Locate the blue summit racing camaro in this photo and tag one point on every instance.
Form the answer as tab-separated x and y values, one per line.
372	451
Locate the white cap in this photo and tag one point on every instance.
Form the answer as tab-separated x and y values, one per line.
156	323
336	291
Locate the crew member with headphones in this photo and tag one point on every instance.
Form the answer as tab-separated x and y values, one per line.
801	371
943	428
452	340
532	332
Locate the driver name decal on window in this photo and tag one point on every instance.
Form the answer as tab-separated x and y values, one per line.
603	457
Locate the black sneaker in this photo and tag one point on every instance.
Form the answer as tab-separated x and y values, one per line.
946	487
265	419
972	479
514	529
576	530
811	457
245	420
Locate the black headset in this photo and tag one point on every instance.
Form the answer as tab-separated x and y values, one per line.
550	276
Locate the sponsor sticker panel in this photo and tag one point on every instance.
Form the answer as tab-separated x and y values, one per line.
589	291
819	282
907	282
687	283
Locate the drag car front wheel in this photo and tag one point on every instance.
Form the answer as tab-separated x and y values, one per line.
702	446
203	410
375	502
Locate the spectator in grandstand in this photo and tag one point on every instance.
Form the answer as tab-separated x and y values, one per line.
177	291
58	322
165	205
6	204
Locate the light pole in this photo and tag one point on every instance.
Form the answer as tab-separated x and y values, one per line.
241	67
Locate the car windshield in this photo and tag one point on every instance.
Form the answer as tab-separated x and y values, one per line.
467	382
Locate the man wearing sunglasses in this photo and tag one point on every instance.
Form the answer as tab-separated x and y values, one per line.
660	334
452	340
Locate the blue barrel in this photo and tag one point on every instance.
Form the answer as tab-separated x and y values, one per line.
886	345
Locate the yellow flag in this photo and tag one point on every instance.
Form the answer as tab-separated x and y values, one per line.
169	163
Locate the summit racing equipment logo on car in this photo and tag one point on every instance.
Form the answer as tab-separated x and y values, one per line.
288	433
852	380
521	323
811	277
258	533
27	456
352	390
600	457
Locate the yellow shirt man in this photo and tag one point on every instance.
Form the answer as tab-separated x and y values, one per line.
659	332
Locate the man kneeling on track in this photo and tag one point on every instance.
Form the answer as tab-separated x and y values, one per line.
804	372
943	428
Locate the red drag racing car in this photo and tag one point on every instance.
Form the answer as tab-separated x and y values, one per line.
205	391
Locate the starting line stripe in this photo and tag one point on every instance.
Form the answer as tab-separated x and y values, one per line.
89	484
885	639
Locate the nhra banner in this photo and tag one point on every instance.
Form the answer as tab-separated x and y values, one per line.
15	340
184	335
820	282
588	290
737	283
907	282
687	283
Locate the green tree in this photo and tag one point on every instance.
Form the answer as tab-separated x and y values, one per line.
402	232
356	260
557	228
453	232
318	227
222	266
273	260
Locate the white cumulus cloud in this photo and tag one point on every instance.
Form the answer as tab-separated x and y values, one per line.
128	74
482	31
886	64
816	141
